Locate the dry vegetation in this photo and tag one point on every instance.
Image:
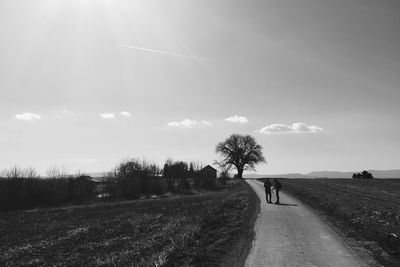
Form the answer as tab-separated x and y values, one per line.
205	229
131	179
367	210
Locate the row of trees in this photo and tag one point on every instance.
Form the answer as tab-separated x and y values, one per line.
134	177
130	179
16	172
30	172
23	193
23	188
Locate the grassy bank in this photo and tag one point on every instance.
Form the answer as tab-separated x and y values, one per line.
202	229
366	210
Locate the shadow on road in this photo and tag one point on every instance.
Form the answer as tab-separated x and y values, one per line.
285	204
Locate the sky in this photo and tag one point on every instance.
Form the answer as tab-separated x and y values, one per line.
85	84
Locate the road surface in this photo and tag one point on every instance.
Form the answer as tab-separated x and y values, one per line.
290	234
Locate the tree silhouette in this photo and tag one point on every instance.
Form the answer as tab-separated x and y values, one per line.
241	151
363	175
176	174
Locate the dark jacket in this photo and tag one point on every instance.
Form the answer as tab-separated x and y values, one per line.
267	186
278	185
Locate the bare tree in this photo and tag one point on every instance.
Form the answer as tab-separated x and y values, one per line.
17	172
13	172
56	172
240	151
31	172
223	171
79	173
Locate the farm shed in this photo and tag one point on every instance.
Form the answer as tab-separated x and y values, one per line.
208	172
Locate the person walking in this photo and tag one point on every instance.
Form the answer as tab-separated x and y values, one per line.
268	194
277	187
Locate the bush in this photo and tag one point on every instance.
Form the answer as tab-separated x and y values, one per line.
363	175
177	174
24	189
209	183
133	178
25	193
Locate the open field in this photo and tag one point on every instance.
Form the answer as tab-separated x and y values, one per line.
368	211
211	228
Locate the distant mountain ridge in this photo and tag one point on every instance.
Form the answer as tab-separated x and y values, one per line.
289	175
328	174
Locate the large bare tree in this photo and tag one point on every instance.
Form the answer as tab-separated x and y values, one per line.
240	151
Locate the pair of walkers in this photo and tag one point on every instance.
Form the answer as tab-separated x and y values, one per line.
268	190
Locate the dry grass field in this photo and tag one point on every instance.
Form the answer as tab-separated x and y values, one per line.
366	210
210	228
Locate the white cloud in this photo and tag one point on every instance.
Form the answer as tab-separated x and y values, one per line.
27	116
186	123
125	114
237	119
107	115
304	128
297	127
206	123
277	128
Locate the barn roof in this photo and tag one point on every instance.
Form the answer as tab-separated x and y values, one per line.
208	167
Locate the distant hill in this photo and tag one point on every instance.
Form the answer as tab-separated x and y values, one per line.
328	174
375	173
331	174
289	175
385	174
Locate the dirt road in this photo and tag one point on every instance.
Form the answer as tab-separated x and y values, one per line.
290	234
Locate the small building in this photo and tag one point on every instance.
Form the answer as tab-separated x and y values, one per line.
98	183
208	172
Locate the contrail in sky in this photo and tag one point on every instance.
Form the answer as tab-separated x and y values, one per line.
156	51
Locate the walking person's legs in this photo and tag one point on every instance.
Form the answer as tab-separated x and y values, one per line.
268	196
277	197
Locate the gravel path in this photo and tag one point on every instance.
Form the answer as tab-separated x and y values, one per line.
290	234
